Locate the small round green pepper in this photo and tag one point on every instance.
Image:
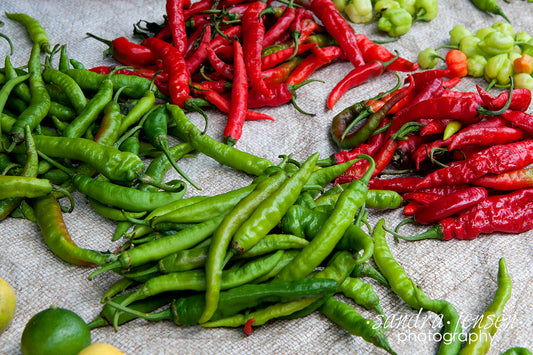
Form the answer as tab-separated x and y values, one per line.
498	69
395	22
496	43
359	11
409	5
504	27
469	46
523	81
522	36
476	65
426	10
482	32
457	33
382	5
428	58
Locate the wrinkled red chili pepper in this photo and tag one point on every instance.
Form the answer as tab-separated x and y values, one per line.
485	137
355	77
424	151
510	180
422	198
496	159
372	51
434	127
402	158
176	68
239	98
280	73
219	65
192	40
520	101
510	213
459	94
522	120
449	205
421	78
200	55
197	8
253	32
176	21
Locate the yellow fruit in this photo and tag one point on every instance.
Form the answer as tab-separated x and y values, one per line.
101	349
7	304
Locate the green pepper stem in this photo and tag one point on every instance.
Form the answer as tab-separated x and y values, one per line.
111	266
434	232
484	111
162	315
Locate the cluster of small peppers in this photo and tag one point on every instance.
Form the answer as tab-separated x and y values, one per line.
394	17
463	157
495	53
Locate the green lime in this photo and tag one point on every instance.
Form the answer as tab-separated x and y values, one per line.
55	331
7	304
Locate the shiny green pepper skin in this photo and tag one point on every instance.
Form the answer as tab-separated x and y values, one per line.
523	81
469	46
408	5
496	43
426	10
457	33
504	27
476	65
482	32
395	22
428	58
498	69
382	5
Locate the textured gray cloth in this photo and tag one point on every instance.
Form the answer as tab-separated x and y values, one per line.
462	272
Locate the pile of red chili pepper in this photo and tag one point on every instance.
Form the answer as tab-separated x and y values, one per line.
462	160
240	55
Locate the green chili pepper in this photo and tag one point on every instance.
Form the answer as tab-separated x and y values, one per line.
91	111
395	22
332	230
270	212
362	294
517	351
350	320
68	86
23	186
220	152
480	336
39	102
222	237
34	28
490	6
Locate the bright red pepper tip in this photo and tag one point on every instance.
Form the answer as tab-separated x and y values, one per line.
248	326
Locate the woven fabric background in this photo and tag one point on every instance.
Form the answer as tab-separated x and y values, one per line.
462	272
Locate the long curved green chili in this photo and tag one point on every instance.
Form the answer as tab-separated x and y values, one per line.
68	86
34	28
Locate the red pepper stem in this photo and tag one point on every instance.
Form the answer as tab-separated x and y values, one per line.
384	93
295	87
407	128
361	116
484	111
268	11
295	35
103	40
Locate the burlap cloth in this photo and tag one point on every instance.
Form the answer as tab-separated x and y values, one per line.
462	272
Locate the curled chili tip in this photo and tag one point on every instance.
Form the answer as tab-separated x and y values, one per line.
435	232
484	111
248	326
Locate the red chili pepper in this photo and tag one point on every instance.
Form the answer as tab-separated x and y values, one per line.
280	73
220	86
411	208
176	68
485	137
459	94
128	53
510	213
197	8
369	148
176	21
444	190
449	205
423	198
451	83
192	40
253	34
281	26
281	94
425	151
372	51
337	26
355	77
309	26
496	159
311	63
200	55
223	104
522	120
464	109
510	180
421	78
239	98
219	65
248	326
422	91
398	184
434	127
520	101
271	60
402	158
